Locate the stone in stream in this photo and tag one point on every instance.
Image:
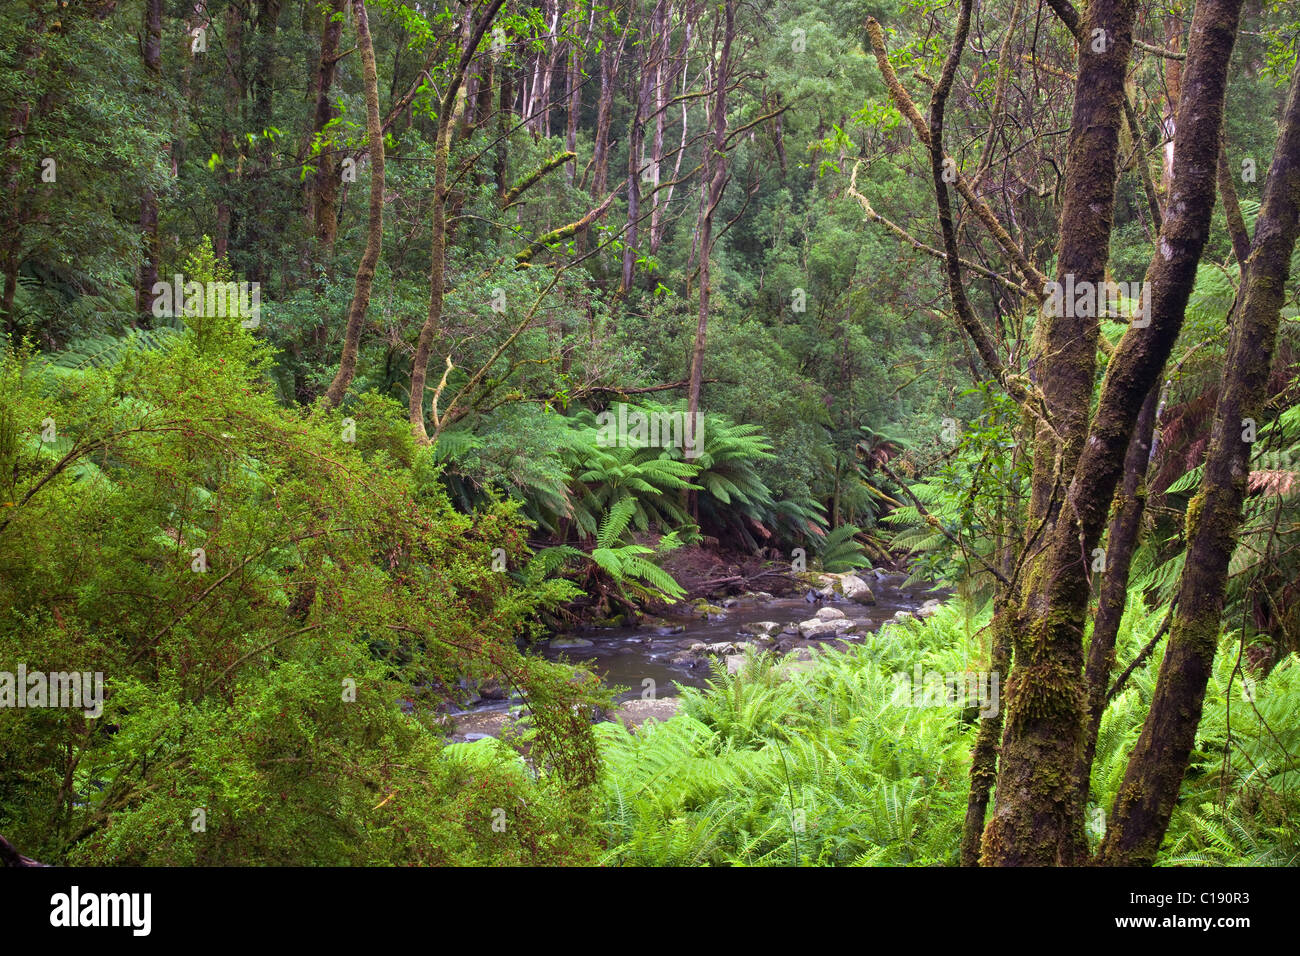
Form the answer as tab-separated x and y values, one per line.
929	608
830	586
662	625
633	713
856	589
820	627
566	642
829	614
761	629
703	609
721	648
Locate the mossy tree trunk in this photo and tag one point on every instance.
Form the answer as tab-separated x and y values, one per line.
1032	816
1038	817
1155	772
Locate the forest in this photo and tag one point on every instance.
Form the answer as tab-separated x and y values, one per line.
650	433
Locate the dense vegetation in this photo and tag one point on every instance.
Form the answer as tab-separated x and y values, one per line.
323	326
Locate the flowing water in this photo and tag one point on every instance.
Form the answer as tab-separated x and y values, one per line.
626	657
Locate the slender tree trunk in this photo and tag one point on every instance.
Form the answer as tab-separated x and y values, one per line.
148	274
321	199
636	160
11	237
713	183
1158	763
452	101
1121	542
226	138
375	233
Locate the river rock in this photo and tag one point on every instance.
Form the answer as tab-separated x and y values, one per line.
929	609
735	662
567	642
721	648
685	659
818	627
633	713
662	624
703	609
856	589
829	614
761	628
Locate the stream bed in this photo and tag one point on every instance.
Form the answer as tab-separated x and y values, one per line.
626	657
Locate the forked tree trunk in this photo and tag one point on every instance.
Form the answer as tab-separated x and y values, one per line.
1037	819
452	100
1158	764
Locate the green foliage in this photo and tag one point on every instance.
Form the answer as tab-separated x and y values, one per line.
260	595
840	552
774	766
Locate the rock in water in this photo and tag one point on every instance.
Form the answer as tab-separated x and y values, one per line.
929	608
819	627
856	589
565	642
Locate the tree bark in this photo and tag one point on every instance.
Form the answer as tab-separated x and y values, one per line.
321	200
451	101
1159	761
375	233
713	182
148	272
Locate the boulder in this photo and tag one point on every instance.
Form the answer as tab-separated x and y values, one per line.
633	713
721	648
735	662
567	642
929	608
761	629
818	627
856	589
703	609
829	614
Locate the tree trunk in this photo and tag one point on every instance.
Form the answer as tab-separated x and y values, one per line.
1159	761
713	182
321	200
1037	819
148	273
375	233
452	101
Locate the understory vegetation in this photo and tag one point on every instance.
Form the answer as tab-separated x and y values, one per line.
353	353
